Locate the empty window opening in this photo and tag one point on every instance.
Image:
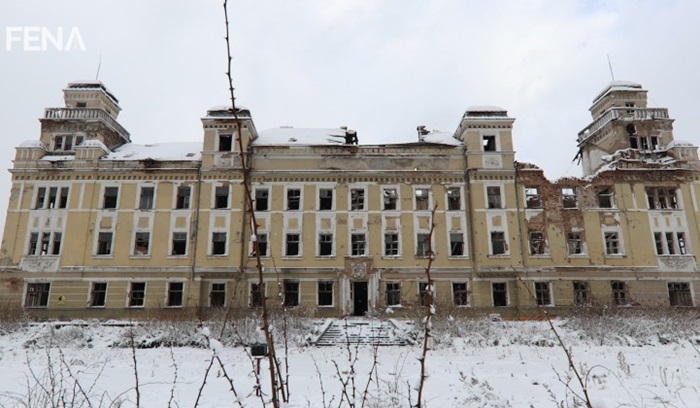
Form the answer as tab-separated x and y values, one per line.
292	245
422	196
543	294
325	199
454	199
489	143
225	143
390	198
460	294
357	199
568	196
499	291
393	294
175	294
325	293
293	199
493	195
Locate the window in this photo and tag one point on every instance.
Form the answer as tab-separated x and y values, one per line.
325	244
456	244
293	199
574	243
679	294
81	104
141	242
393	294
262	244
532	197
612	243
182	200
292	245
37	295
325	199
489	143
225	143
357	199
537	243
262	196
670	243
217	295
605	197
256	298
619	292
391	244
498	243
568	197
426	298
682	249
50	243
325	293
358	244
493	197
137	294
146	199
459	294
175	294
291	293
581	293
57	197
543	294
662	198
218	243
454	199
390	199
499	291
221	197
104	243
179	243
98	294
422	199
110	197
422	245
65	142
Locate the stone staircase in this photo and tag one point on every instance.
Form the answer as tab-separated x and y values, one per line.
338	332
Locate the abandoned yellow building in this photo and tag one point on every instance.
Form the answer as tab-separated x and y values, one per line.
98	226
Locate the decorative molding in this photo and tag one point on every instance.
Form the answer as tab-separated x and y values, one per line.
39	264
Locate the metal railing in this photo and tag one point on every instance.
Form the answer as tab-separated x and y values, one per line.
86	114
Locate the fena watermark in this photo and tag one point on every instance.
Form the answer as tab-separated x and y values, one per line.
35	39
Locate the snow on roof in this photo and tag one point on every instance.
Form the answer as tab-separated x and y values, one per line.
94	143
442	137
58	157
290	136
92	84
679	143
32	143
178	151
485	108
617	86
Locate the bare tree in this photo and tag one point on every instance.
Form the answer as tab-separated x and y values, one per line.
429	302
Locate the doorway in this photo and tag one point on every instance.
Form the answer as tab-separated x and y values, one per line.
360	301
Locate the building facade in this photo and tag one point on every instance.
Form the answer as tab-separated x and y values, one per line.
98	226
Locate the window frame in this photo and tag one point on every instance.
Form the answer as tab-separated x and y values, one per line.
543	293
37	295
139	236
392	293
680	294
215	293
358	199
326	245
134	300
293	198
391	198
497	290
451	201
454	244
322	294
533	198
262	201
146	198
356	244
215	249
326	203
493	240
97	295
494	197
460	296
177	243
218	196
421	198
98	247
395	249
290	289
110	197
569	198
581	293
288	244
605	197
619	293
183	201
175	298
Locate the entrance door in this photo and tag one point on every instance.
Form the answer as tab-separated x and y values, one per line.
359	290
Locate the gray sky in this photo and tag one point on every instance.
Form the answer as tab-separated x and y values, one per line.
378	66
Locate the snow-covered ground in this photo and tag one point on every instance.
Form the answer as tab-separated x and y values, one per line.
625	362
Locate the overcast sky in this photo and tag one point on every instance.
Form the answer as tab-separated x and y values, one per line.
378	66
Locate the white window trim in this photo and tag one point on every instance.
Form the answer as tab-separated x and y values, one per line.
103	188
461	198
139	190
176	187
430	197
620	243
88	301
301	196
167	290
493	303
501	192
549	289
465	249
333	282
362	187
213	196
496	134
255	194
128	294
334	198
301	245
398	197
453	294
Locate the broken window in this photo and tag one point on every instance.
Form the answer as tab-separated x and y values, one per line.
325	293
217	295
393	293
681	243
137	294
679	294
493	197
104	243
45	243
422	196
261	243
662	198
537	244
218	243
110	197
179	243
65	142
619	292
581	293
670	243
390	198
543	294
357	199
146	199
225	143
175	294
460	294
568	197
454	199
605	197
612	243
293	199
291	293
456	244
221	197
182	200
426	297
498	243
532	197
499	291
262	196
58	198
489	143
141	241
292	245
422	245
391	244
325	199
325	244
98	294
256	298
574	243
37	295
358	244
